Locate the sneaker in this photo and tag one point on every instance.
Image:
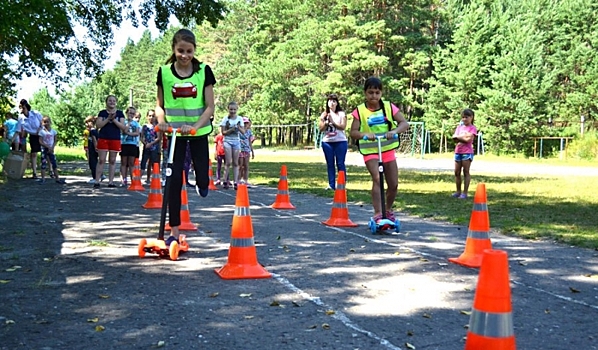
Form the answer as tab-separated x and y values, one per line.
202	192
39	180
190	185
148	182
111	184
463	196
217	183
390	215
377	218
235	186
328	188
61	181
226	186
229	183
34	177
171	239
91	181
103	177
248	185
122	184
455	195
96	185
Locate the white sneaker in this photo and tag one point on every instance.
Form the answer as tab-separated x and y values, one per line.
92	181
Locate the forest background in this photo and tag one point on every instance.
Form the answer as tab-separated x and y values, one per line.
529	69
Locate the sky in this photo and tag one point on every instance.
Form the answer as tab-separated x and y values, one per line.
28	86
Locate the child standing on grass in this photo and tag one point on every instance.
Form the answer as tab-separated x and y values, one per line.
219	154
246	139
463	136
376	118
47	141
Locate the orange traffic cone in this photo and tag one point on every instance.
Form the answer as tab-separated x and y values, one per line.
491	320
186	224
339	216
154	200
478	235
282	200
242	258
136	178
211	186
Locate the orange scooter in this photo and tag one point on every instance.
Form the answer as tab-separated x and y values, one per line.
159	246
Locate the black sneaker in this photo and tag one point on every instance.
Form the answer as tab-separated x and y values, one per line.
170	239
202	191
96	185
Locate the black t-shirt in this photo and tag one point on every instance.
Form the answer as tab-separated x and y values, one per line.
209	76
110	131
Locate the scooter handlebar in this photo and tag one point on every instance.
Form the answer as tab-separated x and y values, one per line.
157	129
395	136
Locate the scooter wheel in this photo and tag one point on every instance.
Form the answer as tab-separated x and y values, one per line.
141	247
174	251
372	225
397	225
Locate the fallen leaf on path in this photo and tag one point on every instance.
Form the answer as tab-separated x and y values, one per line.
573	290
423	259
14	268
47	259
245	295
352	250
409	346
9	322
397	253
410	333
93	320
4	281
442	264
100	328
325	326
547	311
296	304
462	312
215	294
161	343
274	303
330	312
427	315
249	317
278	238
313	326
104	296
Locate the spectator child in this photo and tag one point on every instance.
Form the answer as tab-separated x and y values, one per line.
150	139
47	141
231	126
464	136
219	152
246	139
129	145
12	131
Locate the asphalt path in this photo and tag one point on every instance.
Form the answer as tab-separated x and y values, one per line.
331	288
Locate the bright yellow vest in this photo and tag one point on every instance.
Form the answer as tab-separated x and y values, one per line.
378	122
183	99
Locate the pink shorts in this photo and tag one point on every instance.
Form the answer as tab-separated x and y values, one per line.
109	145
387	156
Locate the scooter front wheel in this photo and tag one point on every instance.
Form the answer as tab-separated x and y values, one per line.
141	248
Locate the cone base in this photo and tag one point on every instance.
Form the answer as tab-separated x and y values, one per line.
468	261
153	205
286	205
239	271
474	342
184	226
212	187
339	223
136	188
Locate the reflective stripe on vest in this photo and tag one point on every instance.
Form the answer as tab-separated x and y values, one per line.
491	324
183	99
371	146
241	242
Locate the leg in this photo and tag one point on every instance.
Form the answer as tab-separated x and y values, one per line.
220	160
93	163
340	153
372	166
123	168
329	155
228	160
391	175
100	168
33	159
235	153
44	164
175	185
467	177
111	166
458	166
145	163
200	154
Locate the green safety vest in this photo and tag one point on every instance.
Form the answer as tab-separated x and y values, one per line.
183	99
380	128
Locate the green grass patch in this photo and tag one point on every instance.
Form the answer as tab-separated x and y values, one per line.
97	243
551	207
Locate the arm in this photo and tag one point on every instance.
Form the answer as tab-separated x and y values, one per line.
54	144
342	125
355	133
402	125
101	122
322	122
159	110
121	125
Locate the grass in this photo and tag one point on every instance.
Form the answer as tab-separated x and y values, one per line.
532	207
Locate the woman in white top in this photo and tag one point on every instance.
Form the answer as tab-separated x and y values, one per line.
231	126
334	144
32	123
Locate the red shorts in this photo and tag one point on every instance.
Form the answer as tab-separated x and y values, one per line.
387	156
109	145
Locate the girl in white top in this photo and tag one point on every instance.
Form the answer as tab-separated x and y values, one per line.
231	126
333	123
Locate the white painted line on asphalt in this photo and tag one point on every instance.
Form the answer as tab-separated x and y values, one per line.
338	315
562	297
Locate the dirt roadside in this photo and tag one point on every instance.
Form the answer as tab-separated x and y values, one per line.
71	279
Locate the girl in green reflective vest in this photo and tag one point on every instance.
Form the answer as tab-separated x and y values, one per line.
185	100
